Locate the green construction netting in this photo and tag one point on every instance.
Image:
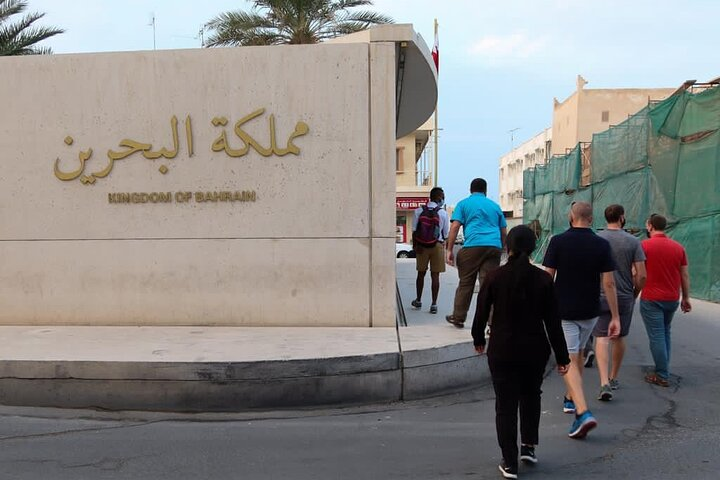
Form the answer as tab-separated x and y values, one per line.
561	207
542	182
701	239
698	183
538	213
665	159
621	148
687	113
664	154
529	183
559	175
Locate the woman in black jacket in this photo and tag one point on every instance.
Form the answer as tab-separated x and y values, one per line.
525	323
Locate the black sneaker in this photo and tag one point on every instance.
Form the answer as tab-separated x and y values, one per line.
507	472
589	359
417	304
527	454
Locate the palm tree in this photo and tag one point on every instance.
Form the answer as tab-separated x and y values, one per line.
275	22
19	38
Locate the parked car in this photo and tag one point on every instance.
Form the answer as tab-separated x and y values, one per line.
404	250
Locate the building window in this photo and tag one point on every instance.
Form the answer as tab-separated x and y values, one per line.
605	116
399	159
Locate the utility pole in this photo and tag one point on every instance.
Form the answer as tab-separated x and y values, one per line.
152	24
512	138
435	117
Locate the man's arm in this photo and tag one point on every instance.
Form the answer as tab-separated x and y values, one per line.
685	286
503	236
482	315
446	224
639	277
608	284
450	244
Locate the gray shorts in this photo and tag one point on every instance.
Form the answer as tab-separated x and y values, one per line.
577	333
625	308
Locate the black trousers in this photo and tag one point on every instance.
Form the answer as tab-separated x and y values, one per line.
517	386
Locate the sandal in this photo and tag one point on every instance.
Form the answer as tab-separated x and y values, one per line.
655	380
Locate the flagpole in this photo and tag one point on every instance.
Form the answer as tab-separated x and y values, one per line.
435	168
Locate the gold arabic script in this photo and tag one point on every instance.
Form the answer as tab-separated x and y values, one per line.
129	147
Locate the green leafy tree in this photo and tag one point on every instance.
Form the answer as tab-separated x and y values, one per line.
20	36
275	22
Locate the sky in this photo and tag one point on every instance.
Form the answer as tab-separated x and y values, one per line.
501	63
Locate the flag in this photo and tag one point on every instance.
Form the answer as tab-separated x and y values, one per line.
436	51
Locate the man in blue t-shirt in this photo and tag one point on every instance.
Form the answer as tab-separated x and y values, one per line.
578	259
484	228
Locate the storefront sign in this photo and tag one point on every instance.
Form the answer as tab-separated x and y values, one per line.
410	203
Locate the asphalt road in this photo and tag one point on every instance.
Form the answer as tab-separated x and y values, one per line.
646	432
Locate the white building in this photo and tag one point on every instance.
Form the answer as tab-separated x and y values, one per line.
535	151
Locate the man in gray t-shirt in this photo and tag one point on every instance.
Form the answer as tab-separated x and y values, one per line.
629	279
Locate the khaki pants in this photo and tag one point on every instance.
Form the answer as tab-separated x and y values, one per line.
473	263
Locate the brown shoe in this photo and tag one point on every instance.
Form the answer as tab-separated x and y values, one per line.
457	322
655	380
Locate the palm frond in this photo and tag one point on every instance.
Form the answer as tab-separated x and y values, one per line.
273	22
21	37
11	7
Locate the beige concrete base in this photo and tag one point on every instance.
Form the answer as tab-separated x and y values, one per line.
231	368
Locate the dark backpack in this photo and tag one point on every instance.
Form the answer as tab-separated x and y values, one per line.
427	232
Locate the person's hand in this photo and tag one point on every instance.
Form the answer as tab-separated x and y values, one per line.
563	369
614	328
480	349
685	305
450	256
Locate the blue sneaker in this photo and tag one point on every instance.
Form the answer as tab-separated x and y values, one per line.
568	405
582	425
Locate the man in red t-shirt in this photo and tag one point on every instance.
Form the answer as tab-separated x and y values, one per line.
667	275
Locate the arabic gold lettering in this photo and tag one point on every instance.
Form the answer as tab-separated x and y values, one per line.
164	152
221	143
273	140
188	135
247	139
82	157
133	147
301	128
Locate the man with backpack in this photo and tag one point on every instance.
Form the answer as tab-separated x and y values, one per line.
430	229
484	229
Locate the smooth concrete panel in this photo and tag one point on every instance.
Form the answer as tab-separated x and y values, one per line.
102	99
204	396
442	378
198	371
317	282
185	345
382	270
382	134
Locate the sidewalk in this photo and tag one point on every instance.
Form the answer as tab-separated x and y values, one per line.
240	368
406	275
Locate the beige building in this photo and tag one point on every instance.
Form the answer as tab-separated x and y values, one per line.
589	111
575	120
535	151
414	177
